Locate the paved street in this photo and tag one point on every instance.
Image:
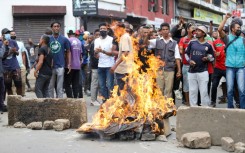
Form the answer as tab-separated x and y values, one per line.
68	141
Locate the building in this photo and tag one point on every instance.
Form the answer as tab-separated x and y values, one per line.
149	11
108	11
203	11
30	18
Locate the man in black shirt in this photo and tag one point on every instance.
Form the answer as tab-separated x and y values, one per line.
43	70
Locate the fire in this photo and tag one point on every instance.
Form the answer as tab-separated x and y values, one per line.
140	102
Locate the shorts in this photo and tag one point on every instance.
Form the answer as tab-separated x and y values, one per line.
12	75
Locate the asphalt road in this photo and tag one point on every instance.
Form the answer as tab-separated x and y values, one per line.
69	141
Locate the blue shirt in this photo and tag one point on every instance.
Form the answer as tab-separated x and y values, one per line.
58	48
235	53
196	51
11	62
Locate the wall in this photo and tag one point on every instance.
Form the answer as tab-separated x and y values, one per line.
116	5
6	19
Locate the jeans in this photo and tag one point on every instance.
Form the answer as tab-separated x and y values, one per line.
185	69
94	85
71	79
13	75
2	89
85	75
42	86
106	82
217	75
198	81
239	74
58	74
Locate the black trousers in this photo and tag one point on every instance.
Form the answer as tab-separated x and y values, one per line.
71	79
217	75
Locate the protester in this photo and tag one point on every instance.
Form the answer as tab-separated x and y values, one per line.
60	49
235	58
43	70
199	53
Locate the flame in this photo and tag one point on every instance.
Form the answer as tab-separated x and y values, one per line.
140	100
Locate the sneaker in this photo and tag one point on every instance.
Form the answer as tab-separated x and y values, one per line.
213	104
223	101
95	103
4	108
221	97
237	105
178	94
87	92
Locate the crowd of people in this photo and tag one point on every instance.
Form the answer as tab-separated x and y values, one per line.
195	62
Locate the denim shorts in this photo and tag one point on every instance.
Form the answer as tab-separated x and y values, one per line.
185	70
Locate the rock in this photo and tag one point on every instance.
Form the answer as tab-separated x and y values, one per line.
196	140
240	144
35	125
19	125
228	144
173	129
162	138
148	137
47	125
239	147
61	124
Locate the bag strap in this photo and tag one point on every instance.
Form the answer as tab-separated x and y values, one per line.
231	43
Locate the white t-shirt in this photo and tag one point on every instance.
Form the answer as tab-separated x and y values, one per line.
21	50
106	45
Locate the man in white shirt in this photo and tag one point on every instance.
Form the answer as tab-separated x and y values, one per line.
103	49
168	51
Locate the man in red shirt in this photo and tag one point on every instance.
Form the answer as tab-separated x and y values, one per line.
183	44
219	68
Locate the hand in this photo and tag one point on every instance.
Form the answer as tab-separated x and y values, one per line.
228	15
36	73
69	68
192	63
113	68
181	20
178	75
204	59
6	42
217	53
211	22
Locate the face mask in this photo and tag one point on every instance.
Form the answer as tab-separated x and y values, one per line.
103	34
7	36
238	32
13	37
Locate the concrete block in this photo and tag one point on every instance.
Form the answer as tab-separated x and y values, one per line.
218	122
239	147
167	127
228	144
196	140
61	124
47	125
162	138
19	125
29	110
35	126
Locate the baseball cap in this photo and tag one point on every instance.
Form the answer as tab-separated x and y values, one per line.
5	30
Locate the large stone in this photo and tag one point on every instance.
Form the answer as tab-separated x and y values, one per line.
47	125
218	122
61	124
228	144
196	140
29	110
239	147
35	126
19	125
148	137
